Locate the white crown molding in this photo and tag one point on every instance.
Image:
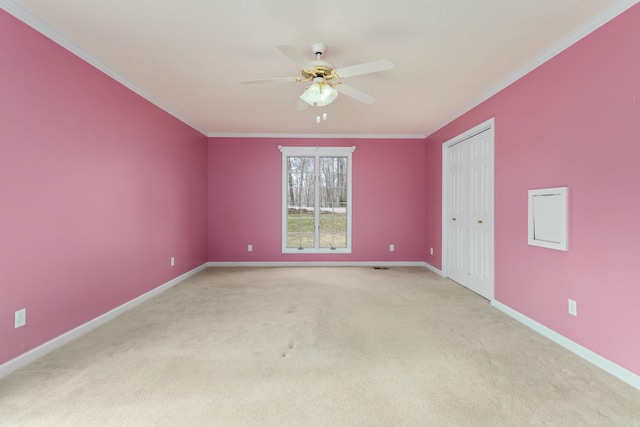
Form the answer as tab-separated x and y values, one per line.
35	23
36	353
315	135
38	25
605	364
573	37
593	24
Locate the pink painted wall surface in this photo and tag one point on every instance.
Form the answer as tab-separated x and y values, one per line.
433	195
98	189
245	200
574	121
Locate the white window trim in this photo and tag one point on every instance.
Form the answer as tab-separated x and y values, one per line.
316	152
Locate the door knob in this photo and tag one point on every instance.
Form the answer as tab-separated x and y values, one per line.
479	221
453	219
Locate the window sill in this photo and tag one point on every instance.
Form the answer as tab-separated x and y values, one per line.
317	251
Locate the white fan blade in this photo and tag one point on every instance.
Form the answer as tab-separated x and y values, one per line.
355	93
294	54
366	68
302	105
275	80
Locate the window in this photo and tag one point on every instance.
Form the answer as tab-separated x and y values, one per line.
316	199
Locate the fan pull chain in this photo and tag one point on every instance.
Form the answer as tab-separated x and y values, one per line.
324	117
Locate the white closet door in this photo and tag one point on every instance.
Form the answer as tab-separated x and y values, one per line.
457	182
470	196
480	214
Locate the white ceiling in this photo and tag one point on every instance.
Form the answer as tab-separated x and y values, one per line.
189	56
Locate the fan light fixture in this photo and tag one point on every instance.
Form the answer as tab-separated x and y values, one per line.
324	78
319	93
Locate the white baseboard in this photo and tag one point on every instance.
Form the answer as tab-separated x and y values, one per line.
594	358
432	268
36	353
328	264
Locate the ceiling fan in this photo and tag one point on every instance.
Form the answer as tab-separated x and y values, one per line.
324	77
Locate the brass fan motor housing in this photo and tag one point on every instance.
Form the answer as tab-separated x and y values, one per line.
324	71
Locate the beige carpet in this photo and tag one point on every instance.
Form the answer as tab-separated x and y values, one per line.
315	347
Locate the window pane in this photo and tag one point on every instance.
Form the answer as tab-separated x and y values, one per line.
300	181
333	229
300	202
300	228
333	202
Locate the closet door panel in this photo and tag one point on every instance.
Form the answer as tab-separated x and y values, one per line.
470	195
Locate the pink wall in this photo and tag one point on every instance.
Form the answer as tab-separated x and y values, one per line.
98	189
245	205
575	121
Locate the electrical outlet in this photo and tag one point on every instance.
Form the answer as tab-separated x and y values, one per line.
573	308
20	317
173	261
431	251
250	248
392	248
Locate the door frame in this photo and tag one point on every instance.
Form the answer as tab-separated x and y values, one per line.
488	126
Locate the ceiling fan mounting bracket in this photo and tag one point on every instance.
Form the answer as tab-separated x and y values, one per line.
321	68
318	48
